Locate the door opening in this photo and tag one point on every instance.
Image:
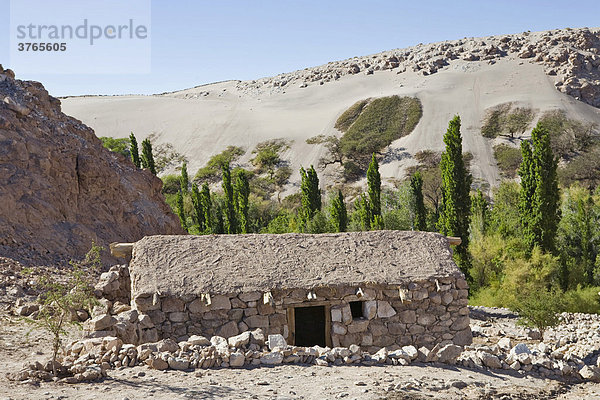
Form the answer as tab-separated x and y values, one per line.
309	326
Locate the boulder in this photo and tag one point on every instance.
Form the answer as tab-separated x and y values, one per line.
272	358
237	359
276	342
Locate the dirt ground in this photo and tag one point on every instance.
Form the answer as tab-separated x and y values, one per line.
19	344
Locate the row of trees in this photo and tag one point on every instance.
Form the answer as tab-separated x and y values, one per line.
146	160
512	248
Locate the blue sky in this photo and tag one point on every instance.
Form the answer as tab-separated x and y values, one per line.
198	42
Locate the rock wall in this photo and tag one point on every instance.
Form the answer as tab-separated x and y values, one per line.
421	313
60	188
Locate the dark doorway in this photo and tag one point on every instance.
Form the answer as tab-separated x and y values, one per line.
310	326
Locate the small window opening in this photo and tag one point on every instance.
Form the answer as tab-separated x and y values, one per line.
356	307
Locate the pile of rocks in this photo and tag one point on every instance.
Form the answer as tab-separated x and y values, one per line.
542	359
91	358
572	55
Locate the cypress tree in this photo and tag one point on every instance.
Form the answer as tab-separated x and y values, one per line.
242	191
479	213
420	215
539	197
455	208
339	213
363	211
230	220
374	188
219	227
147	159
133	149
206	204
181	211
315	192
198	214
184	179
311	194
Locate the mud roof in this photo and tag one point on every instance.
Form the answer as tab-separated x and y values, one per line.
192	265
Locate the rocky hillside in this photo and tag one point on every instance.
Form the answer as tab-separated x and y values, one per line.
60	189
540	71
572	55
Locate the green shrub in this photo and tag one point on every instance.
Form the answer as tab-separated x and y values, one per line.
504	119
350	115
267	157
583	300
381	121
211	172
539	309
508	159
59	298
120	146
584	169
568	136
171	184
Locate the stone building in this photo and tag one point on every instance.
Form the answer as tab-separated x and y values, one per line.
373	289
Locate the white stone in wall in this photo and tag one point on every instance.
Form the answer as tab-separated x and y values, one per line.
336	315
339	328
346	314
369	309
384	309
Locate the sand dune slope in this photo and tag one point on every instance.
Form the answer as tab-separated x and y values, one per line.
202	121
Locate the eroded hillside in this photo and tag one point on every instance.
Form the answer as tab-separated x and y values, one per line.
60	189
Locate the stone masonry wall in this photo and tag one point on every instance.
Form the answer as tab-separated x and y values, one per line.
421	313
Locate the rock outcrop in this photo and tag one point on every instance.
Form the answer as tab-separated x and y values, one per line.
571	56
60	189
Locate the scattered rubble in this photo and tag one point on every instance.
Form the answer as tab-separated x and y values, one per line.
572	56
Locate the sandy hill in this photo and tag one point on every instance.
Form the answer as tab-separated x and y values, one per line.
60	189
544	71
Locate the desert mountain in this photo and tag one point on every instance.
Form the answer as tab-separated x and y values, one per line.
60	189
542	71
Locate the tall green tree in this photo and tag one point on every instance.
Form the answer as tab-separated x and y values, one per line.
219	226
455	207
479	214
362	211
374	191
539	198
133	149
206	203
230	223
147	159
181	211
242	192
184	179
198	215
311	194
420	213
578	238
339	213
